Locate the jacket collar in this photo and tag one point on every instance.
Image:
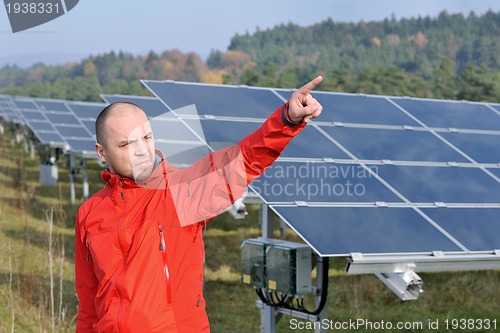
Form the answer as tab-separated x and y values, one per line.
161	168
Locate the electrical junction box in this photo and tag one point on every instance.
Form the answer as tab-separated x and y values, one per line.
48	175
286	265
252	262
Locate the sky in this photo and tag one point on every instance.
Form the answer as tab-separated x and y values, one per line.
96	27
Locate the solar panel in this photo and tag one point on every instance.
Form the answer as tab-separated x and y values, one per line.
482	148
74	133
442	184
8	110
62	119
451	114
87	113
25	105
41	126
313	182
361	109
32	115
54	124
151	106
496	108
217	100
373	174
340	231
476	228
399	145
495	172
35	119
86	110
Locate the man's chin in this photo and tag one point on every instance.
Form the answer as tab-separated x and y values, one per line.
142	175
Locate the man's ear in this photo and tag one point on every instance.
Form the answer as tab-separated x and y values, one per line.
100	152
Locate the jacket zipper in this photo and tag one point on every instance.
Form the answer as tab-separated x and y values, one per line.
163	249
120	184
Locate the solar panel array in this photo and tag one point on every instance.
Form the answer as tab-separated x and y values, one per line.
67	125
373	174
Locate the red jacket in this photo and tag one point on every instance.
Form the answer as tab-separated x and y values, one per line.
138	253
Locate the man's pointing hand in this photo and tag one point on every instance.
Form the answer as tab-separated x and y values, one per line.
302	106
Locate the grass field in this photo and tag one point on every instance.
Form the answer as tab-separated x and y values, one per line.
32	299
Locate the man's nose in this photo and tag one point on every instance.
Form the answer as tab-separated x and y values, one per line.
140	147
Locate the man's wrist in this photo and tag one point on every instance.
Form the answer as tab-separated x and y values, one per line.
286	117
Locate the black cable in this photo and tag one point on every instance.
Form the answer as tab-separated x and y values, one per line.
300	302
324	288
262	297
324	293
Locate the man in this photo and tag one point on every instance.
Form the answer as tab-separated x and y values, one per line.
139	250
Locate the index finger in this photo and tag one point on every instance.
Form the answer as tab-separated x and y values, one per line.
308	87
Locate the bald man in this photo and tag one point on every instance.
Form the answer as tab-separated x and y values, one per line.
139	249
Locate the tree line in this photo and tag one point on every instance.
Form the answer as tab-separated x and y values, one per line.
449	57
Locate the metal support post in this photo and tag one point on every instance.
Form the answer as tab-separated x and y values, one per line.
72	187
267	319
71	165
267	313
85	179
319	290
32	150
266	221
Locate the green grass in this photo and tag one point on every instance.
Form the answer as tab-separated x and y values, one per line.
231	306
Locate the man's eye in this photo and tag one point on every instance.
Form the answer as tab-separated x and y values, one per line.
125	144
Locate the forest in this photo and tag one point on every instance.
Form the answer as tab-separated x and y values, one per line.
450	56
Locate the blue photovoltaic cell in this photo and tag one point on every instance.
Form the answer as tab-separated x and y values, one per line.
33	115
90	125
361	109
310	143
397	145
72	132
182	153
441	184
41	126
58	118
483	148
340	231
320	182
86	111
13	116
25	105
172	129
52	105
153	107
219	133
229	101
451	114
496	107
79	146
476	228
49	138
496	172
